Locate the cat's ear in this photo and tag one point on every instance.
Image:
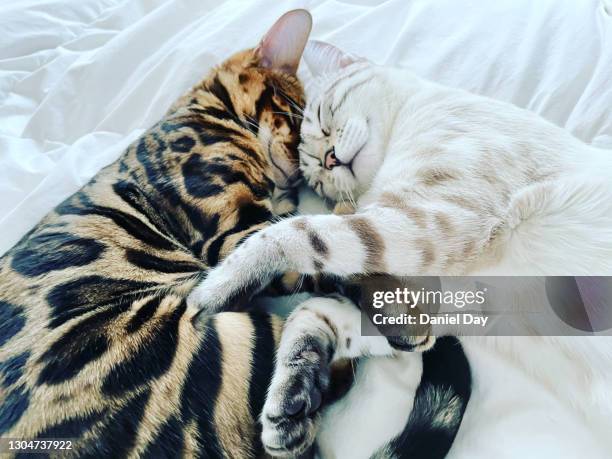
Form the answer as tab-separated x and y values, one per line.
282	46
323	58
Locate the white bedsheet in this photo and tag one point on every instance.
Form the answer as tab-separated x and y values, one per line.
79	80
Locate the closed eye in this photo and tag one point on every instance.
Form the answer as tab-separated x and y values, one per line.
306	153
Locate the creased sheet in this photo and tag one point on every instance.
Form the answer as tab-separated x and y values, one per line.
80	80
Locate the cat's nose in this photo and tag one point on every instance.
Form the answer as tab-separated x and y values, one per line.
330	160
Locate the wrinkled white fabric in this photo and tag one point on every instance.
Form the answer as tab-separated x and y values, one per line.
79	80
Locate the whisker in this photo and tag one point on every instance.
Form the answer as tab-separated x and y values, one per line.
352	199
289	99
253	126
319	183
300	117
344	189
297	287
344	197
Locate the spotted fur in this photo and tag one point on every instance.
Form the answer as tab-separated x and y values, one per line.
95	340
443	182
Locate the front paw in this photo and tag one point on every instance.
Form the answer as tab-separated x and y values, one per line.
213	294
232	283
291	413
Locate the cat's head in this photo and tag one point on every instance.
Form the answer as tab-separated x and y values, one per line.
263	88
342	134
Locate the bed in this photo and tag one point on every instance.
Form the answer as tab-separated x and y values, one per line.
80	80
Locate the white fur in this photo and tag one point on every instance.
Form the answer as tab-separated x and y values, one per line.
375	409
543	205
560	225
356	426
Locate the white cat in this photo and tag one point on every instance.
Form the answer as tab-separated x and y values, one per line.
442	182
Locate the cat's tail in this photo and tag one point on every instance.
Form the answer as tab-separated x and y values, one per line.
439	404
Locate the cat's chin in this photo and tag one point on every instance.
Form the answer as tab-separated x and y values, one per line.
344	185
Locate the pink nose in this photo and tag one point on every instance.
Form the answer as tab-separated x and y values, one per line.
330	160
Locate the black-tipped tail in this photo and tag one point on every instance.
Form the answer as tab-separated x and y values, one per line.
439	404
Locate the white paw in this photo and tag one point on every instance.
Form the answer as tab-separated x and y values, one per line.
209	296
233	282
354	136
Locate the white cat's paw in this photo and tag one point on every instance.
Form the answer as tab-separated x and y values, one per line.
209	296
233	282
353	137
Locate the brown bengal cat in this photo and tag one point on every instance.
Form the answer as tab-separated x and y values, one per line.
95	342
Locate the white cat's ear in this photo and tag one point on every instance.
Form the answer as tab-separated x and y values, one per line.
282	46
323	58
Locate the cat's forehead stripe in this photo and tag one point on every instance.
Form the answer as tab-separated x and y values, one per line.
348	90
342	78
327	92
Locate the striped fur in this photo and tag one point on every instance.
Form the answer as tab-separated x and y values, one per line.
443	182
95	340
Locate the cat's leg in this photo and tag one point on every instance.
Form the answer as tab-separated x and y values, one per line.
396	238
292	282
318	333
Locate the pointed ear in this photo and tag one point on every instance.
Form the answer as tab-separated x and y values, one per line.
323	58
282	47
